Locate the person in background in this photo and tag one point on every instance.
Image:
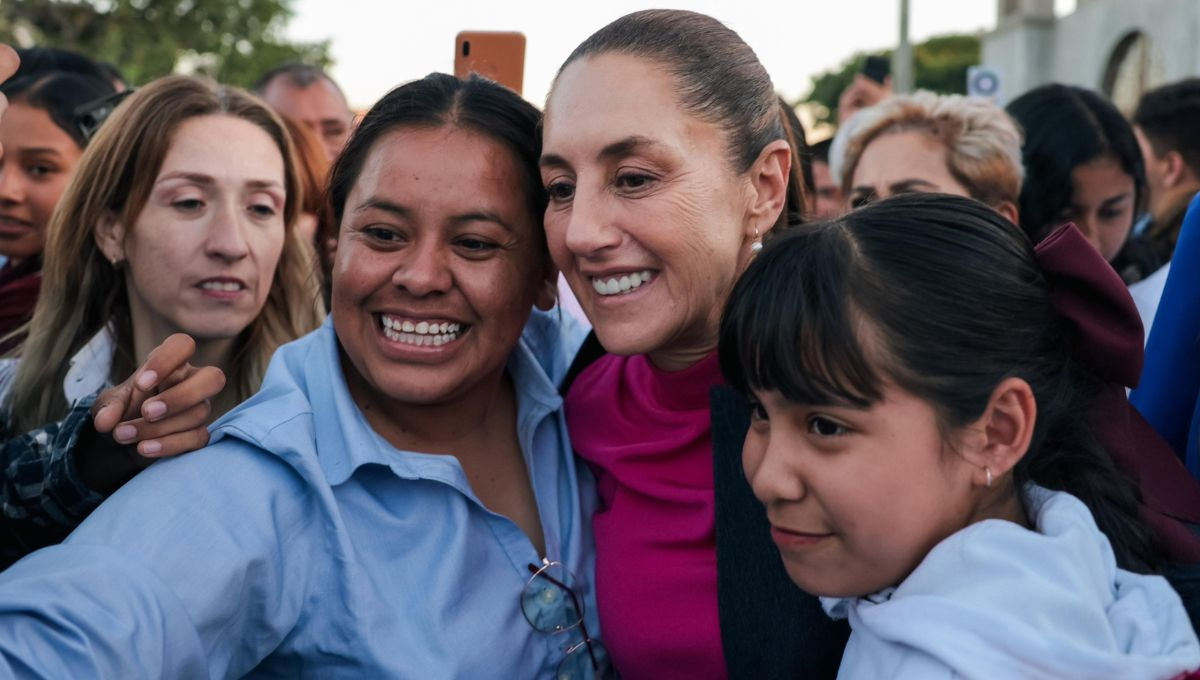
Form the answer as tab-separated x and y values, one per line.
1165	126
180	220
400	500
315	223
863	92
921	457
43	60
827	192
802	169
43	143
1082	165
932	143
667	162
307	95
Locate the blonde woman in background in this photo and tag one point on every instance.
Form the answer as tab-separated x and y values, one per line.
928	143
180	219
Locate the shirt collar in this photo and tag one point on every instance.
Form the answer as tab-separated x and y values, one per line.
346	442
90	367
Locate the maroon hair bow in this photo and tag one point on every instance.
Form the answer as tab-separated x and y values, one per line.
1090	296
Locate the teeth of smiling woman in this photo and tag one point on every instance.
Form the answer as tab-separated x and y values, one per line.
621	284
421	333
223	287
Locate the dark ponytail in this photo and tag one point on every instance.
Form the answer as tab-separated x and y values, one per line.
953	302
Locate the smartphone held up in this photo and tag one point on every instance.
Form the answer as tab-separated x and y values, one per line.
498	55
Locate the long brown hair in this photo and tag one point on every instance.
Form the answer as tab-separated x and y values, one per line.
82	292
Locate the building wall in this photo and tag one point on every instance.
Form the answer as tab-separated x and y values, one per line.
1077	48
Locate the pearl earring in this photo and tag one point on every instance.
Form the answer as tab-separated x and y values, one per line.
757	244
988	472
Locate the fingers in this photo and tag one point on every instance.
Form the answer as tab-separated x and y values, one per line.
148	435
182	390
162	361
110	407
8	62
173	444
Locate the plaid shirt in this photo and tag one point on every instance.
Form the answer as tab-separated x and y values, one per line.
42	497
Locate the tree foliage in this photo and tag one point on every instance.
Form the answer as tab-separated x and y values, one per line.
233	41
939	64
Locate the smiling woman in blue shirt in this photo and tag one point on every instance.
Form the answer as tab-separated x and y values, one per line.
399	499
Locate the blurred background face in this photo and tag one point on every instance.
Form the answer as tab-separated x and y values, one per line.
829	202
38	161
1102	204
905	162
320	107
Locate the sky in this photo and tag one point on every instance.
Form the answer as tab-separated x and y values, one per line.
378	44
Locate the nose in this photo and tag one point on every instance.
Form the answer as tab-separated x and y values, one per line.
1087	226
424	269
589	225
12	188
226	238
773	470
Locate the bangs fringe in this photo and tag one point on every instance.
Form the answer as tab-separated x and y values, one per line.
791	325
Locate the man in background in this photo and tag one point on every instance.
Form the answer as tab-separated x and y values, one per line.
1166	126
307	95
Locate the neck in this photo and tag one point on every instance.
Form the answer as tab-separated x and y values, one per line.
1175	201
1003	502
689	348
456	426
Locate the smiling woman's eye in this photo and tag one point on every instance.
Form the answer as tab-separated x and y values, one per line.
475	245
382	234
633	180
263	210
560	191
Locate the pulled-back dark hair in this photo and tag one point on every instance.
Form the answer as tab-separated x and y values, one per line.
1065	127
438	100
718	79
60	94
942	296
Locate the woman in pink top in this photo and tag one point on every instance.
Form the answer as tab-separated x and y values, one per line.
666	163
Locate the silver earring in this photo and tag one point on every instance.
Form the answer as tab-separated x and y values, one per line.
988	472
757	244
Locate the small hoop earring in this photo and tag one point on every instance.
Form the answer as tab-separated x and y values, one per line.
988	471
757	244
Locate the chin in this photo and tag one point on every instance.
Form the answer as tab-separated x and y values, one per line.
628	338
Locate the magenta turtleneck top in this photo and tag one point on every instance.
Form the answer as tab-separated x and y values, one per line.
647	434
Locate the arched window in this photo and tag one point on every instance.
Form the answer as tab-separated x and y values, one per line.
1133	68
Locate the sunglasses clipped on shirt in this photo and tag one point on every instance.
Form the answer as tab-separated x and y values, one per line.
550	605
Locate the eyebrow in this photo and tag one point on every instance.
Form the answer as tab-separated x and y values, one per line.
617	149
905	184
405	212
40	149
1116	199
209	180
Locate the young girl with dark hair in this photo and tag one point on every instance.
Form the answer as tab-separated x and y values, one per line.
1082	165
921	455
42	144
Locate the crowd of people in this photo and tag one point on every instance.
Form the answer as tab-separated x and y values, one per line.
287	393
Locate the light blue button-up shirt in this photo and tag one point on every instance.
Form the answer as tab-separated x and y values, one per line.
299	543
